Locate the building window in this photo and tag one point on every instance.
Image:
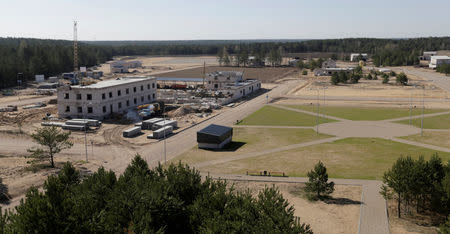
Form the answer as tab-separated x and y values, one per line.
80	109
67	108
119	92
142	88
216	86
104	109
79	96
119	105
110	94
66	96
128	102
90	110
134	89
135	101
154	96
127	91
103	96
153	85
148	97
142	98
148	86
89	96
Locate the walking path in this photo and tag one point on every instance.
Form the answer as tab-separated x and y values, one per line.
308	112
415	143
271	126
373	214
417	116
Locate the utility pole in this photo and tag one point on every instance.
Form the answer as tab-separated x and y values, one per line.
318	110
410	107
423	109
204	73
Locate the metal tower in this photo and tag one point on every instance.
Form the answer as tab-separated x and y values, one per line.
75	50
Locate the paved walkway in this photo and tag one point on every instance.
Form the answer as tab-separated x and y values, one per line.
415	143
271	126
373	214
308	112
417	116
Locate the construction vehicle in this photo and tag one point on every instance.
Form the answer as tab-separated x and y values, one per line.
148	110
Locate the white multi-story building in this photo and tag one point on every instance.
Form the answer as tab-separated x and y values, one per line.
435	61
354	57
219	79
231	84
105	97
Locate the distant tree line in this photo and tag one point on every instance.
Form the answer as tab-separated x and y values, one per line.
51	57
162	200
419	185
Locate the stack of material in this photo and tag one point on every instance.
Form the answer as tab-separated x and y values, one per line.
164	123
162	132
88	122
57	124
148	124
73	127
131	132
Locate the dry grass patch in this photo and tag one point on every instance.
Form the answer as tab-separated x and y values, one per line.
431	137
247	140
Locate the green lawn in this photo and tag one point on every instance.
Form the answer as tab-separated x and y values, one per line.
357	158
364	113
269	115
436	122
247	140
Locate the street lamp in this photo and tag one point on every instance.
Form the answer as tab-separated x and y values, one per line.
85	130
165	150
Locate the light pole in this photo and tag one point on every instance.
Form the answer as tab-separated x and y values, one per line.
318	110
165	150
85	130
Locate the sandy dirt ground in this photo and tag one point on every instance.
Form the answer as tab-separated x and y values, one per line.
339	215
265	74
410	225
155	65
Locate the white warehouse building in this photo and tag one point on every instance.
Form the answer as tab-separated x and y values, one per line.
99	100
355	57
435	61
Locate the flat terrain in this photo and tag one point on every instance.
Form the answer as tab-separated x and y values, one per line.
270	115
247	140
264	74
435	122
339	215
356	158
437	138
365	113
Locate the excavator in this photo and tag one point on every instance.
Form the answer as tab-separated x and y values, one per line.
151	109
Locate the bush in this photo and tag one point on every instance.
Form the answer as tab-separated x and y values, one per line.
443	68
304	72
375	77
334	79
385	80
392	73
402	79
369	76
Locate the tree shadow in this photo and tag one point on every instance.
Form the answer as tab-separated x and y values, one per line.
341	201
230	147
4	195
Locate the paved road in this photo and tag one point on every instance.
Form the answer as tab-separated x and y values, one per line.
439	79
366	99
373	214
28	101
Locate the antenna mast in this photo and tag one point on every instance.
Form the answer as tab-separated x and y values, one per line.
75	50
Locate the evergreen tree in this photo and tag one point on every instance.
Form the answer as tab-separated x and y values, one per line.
318	181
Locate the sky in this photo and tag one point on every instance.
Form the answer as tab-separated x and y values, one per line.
223	20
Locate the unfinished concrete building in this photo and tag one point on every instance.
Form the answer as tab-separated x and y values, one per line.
101	99
231	84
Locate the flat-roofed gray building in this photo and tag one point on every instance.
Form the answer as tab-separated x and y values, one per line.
99	100
214	137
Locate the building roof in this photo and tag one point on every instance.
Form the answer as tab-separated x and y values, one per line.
115	82
440	57
215	130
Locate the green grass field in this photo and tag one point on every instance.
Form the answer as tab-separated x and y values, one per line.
364	113
269	115
247	140
436	122
356	158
